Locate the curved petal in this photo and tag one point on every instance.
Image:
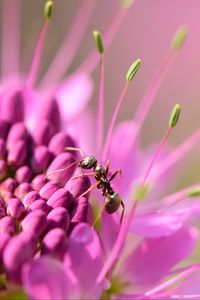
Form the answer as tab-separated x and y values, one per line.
73	95
84	259
154	257
45	278
156	224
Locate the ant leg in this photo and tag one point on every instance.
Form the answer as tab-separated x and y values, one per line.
61	170
83	175
75	149
107	167
90	189
98	216
122	214
119	171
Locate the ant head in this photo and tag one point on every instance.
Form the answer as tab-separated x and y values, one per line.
112	203
100	170
88	162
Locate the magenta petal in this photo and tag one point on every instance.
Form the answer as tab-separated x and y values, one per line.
156	224
153	258
84	258
45	278
74	94
110	227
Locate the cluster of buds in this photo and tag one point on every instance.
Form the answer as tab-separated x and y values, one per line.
37	213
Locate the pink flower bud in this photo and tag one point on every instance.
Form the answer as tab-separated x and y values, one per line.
83	212
23	174
17	154
38	182
15	208
3	150
7	225
18	132
54	243
50	112
4	239
12	107
19	250
78	186
35	222
9	185
58	217
4	128
59	142
60	198
48	189
3	169
62	161
43	133
39	204
22	190
30	198
41	159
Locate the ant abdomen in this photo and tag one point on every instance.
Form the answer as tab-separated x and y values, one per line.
112	202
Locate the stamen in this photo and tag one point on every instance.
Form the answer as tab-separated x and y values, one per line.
10	59
32	76
100	109
70	45
129	76
91	61
151	91
177	154
117	248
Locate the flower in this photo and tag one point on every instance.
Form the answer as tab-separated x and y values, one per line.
48	244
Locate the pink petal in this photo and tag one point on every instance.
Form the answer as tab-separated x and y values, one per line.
74	94
156	224
84	259
153	258
45	278
110	227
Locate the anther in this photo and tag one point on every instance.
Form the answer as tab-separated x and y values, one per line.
98	41
174	117
195	192
133	69
179	38
48	8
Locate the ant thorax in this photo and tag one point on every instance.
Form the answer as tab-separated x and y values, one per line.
88	162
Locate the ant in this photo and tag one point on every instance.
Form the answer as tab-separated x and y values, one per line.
112	199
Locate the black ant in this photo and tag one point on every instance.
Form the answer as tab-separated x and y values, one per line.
112	199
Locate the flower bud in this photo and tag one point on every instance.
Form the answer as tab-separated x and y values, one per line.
3	169
9	185
7	225
63	160
2	208
43	133
30	198
50	112
23	189
4	239
78	186
15	208
23	174
12	107
39	204
83	212
54	243
59	142
17	132
4	128
3	150
60	198
18	251
48	189
17	154
34	223
58	217
38	182
41	159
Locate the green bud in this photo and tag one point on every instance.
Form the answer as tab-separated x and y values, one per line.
133	69
48	8
179	38
141	192
98	41
174	116
194	192
126	3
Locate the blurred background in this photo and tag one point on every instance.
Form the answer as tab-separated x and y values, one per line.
146	32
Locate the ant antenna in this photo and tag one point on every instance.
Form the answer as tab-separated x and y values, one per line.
75	149
61	170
